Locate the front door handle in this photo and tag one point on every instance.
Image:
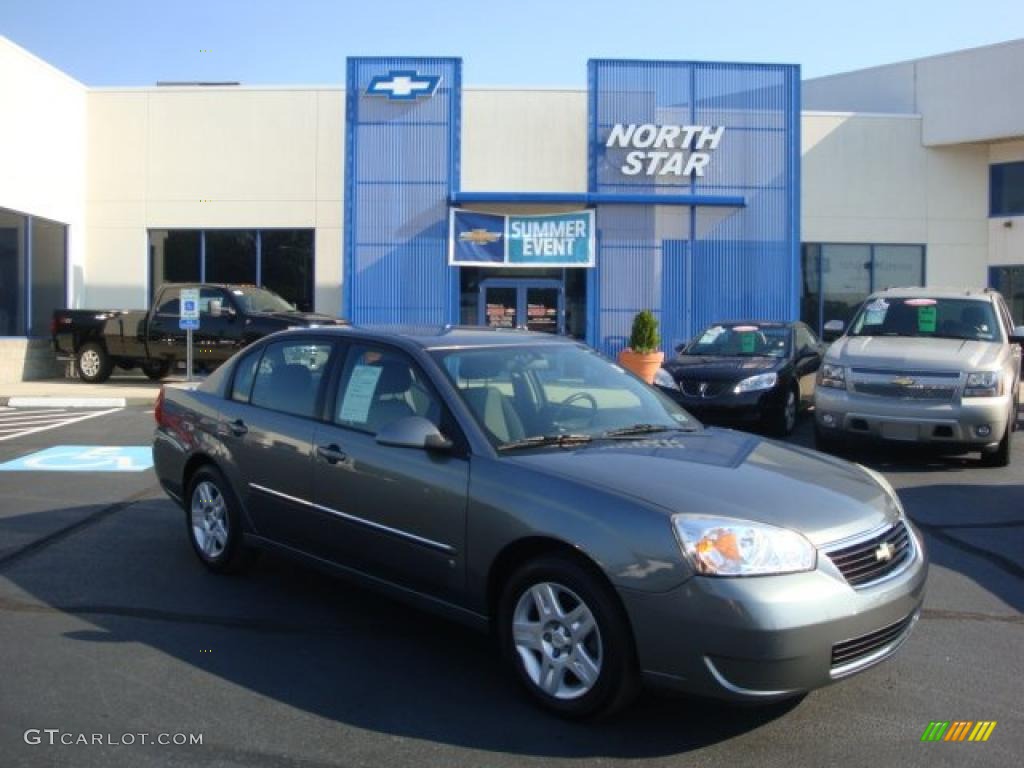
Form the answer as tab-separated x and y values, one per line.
238	428
332	454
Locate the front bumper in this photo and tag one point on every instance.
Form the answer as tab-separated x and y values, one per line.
955	423
745	408
772	637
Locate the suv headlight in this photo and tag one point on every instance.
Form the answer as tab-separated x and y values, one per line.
984	384
830	375
757	383
663	378
722	546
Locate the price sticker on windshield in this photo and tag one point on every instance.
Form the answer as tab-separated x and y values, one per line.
926	317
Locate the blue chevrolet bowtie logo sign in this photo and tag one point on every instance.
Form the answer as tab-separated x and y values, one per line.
403	85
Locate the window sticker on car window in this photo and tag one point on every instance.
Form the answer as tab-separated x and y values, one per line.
711	334
920	302
238	292
355	406
926	319
744	328
748	343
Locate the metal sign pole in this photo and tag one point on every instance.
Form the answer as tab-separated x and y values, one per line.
188	355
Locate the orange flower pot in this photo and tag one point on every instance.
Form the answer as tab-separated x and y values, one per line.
644	366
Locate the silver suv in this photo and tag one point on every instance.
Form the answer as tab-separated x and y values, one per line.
921	365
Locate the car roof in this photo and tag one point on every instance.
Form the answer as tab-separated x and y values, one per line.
936	293
759	323
446	336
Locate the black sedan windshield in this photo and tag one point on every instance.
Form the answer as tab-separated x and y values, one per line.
565	393
966	319
741	341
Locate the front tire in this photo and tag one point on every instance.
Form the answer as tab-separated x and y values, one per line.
783	422
93	364
567	639
213	518
156	369
824	442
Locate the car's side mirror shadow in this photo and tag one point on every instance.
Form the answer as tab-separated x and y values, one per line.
833	330
414	432
680	347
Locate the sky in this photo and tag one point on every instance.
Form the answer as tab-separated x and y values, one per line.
516	42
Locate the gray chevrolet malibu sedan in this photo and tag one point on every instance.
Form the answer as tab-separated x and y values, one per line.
523	483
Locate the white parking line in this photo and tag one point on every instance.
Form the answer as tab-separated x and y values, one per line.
20	429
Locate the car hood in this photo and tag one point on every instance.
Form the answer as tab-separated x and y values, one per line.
912	353
730	474
301	318
712	368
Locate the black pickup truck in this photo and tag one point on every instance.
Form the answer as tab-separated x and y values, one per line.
230	317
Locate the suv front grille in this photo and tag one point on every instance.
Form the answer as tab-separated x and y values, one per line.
936	386
869	561
846	654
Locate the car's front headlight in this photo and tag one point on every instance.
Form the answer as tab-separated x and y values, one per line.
722	546
879	478
984	384
757	383
663	378
830	375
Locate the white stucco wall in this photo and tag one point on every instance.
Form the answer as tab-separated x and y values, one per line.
212	158
42	144
868	179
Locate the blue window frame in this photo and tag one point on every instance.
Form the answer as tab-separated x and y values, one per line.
1006	189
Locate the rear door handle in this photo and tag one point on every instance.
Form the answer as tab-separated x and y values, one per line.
238	428
332	454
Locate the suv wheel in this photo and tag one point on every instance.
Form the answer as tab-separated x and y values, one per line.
213	517
567	639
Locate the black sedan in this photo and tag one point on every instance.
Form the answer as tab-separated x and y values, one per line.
745	373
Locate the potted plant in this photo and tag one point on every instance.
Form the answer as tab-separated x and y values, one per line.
643	356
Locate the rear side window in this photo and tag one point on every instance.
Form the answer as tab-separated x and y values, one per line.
288	376
245	372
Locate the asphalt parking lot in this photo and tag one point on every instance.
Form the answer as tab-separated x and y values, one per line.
109	625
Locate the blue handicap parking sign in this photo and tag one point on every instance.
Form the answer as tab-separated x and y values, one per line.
188	323
84	458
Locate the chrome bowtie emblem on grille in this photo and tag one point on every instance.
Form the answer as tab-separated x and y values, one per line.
903	381
884	552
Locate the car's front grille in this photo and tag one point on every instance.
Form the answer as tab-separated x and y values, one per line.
704	388
868	561
935	386
846	654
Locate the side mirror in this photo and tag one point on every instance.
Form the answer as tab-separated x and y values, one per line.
414	432
833	330
216	307
680	347
1017	335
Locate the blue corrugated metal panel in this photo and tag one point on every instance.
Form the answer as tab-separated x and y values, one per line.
401	166
697	265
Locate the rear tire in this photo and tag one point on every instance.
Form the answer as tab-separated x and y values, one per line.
93	364
213	518
156	369
575	656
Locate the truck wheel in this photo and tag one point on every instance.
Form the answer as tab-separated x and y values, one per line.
156	369
93	363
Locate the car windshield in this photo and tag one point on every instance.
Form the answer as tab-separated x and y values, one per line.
740	340
260	300
967	319
558	394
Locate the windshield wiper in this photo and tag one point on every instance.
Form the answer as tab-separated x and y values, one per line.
643	429
544	440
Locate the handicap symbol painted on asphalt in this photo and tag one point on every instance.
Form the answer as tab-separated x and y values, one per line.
84	458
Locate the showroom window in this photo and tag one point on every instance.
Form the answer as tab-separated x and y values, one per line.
33	273
278	259
837	277
1009	281
1006	189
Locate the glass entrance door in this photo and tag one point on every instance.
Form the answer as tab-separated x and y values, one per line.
537	305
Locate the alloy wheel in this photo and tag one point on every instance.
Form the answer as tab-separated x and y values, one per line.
557	640
209	520
90	363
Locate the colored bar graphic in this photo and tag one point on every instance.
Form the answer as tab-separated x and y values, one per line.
935	730
982	730
958	731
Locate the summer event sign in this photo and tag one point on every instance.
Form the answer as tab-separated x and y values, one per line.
494	240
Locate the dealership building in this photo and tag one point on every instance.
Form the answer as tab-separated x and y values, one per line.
703	191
